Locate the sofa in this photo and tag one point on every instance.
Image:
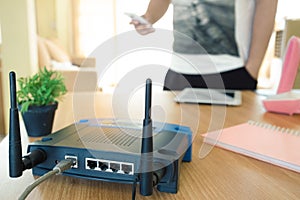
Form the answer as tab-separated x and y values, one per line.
79	72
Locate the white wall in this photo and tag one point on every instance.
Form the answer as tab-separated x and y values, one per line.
288	8
19	48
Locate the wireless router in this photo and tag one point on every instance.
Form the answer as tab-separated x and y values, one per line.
111	150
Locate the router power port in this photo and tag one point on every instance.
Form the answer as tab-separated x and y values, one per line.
91	164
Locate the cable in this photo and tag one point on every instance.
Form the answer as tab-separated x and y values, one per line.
133	193
36	183
59	168
157	175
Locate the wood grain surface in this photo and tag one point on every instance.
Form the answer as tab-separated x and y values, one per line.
213	173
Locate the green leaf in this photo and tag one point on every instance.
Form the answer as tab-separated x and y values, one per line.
44	87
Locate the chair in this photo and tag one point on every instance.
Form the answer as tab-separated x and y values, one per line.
290	65
79	73
287	101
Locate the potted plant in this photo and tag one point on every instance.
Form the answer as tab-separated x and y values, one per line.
37	98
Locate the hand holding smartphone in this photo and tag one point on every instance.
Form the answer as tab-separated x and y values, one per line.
141	25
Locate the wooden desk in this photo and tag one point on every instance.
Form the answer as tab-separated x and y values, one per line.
220	175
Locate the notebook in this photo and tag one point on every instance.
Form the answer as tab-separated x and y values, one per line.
276	145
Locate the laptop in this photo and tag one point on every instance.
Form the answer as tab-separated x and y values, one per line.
209	96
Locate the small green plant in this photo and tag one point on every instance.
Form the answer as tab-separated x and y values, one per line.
43	88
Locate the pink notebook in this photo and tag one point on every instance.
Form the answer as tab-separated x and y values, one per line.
265	142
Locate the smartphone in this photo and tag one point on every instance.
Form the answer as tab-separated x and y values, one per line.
137	18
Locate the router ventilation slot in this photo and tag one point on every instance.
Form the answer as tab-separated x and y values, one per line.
117	136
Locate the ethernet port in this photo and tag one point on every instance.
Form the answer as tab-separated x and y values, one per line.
115	167
127	168
91	164
103	165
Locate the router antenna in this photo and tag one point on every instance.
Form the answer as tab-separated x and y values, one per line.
17	163
146	178
15	148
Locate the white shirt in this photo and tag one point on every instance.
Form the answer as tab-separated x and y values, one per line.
213	63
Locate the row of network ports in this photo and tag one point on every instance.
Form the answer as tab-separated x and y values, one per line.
109	166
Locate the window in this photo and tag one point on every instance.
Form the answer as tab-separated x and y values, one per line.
95	24
100	20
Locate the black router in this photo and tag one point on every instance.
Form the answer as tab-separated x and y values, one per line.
111	150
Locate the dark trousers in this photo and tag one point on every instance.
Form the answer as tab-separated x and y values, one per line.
238	79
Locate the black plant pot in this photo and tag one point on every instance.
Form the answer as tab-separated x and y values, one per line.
38	120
